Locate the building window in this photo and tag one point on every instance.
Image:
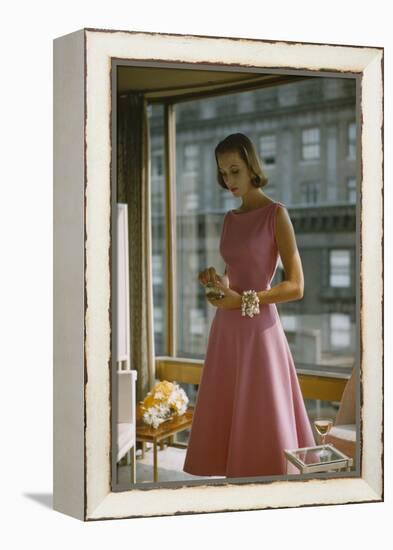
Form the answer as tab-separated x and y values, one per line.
157	262
157	164
158	320
193	262
340	330
228	202
208	109
226	105
197	321
192	202
157	201
190	157
351	140
267	149
351	190
245	102
310	143
309	191
289	322
340	268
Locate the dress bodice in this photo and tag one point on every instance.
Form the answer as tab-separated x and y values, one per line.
249	249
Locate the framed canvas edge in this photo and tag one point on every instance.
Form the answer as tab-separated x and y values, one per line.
69	490
100	502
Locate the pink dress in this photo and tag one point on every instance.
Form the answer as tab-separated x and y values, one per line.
249	406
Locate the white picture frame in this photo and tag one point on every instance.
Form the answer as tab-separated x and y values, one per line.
82	278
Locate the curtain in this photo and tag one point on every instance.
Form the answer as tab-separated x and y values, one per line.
133	188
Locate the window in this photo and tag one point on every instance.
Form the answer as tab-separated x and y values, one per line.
192	201
245	102
228	202
157	164
190	157
267	149
200	204
266	99
351	136
157	263
309	191
310	144
193	262
340	330
208	109
158	324
226	105
197	321
351	189
289	322
157	200
288	95
340	268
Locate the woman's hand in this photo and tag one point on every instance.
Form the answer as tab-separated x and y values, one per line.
209	275
231	299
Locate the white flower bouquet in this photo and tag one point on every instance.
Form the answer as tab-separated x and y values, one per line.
163	402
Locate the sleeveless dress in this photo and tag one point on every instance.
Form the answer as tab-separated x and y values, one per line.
249	406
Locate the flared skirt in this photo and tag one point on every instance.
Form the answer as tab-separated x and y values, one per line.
249	406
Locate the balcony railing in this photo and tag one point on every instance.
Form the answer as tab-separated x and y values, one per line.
326	386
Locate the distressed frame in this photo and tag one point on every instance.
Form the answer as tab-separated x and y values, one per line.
82	273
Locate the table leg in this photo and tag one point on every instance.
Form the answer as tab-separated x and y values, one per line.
155	466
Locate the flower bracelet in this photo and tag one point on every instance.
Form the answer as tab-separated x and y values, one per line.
250	303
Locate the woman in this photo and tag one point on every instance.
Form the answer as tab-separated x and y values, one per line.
249	406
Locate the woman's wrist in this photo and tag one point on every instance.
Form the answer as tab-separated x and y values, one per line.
261	295
240	299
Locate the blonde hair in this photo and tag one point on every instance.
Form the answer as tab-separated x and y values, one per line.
243	145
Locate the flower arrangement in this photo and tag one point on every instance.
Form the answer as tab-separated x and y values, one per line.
165	400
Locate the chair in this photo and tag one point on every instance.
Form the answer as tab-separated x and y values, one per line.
126	418
343	433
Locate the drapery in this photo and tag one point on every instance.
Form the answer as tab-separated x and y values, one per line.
133	188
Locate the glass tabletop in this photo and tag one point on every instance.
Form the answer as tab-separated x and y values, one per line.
321	454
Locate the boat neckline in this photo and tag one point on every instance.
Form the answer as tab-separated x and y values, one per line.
253	210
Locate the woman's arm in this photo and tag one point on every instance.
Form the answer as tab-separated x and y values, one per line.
293	286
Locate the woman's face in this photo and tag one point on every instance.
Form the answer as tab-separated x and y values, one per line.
235	173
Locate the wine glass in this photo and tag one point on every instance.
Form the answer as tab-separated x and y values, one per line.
323	426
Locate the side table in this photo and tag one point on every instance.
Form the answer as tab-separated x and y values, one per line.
167	429
309	460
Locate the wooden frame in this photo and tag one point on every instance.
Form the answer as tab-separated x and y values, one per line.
82	290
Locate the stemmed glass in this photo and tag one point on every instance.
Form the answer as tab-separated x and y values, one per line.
323	426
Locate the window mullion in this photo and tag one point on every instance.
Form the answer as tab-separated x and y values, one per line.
170	228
